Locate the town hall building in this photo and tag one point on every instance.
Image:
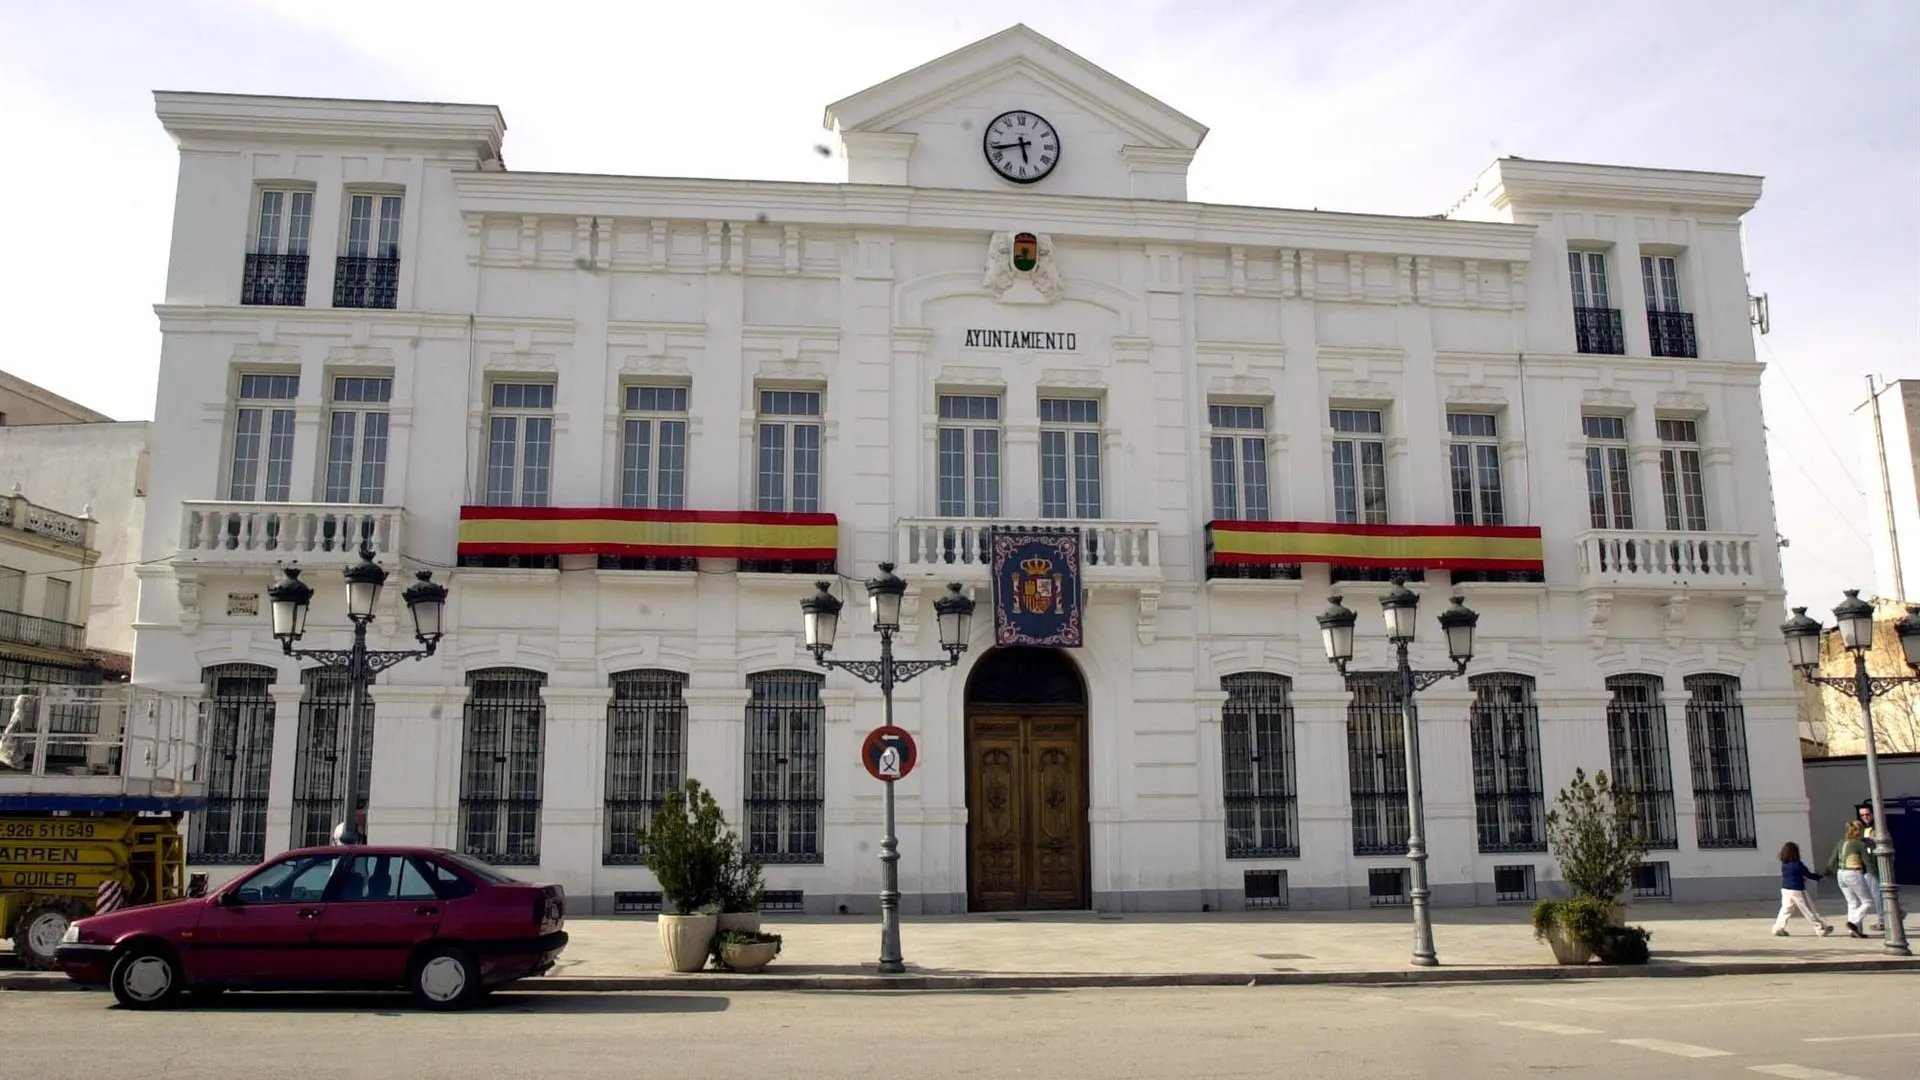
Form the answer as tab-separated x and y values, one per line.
630	421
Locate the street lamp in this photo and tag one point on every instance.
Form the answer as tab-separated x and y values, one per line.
1401	606
426	600
821	613
1855	618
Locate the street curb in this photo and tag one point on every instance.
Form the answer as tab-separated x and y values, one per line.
729	983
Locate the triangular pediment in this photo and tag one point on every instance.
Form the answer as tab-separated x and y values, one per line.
929	113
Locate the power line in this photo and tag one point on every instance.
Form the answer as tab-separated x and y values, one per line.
1781	366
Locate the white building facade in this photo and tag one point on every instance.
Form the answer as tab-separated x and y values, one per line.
630	421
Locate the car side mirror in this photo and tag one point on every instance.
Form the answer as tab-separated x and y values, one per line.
230	898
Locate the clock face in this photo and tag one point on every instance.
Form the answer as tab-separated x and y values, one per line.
1021	146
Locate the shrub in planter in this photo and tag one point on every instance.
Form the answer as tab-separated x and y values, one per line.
743	950
688	848
1573	928
1623	945
1593	833
741	891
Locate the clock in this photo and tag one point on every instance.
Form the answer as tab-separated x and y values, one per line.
1021	146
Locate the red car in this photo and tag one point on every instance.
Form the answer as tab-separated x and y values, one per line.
446	926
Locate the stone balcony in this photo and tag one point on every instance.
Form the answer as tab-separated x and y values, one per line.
17	513
1676	568
262	535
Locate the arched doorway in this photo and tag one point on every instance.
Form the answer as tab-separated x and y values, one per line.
1027	844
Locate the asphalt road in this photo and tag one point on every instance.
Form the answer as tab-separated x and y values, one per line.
1805	1027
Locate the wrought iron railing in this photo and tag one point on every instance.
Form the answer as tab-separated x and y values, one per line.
1598	330
502	755
1671	334
365	281
275	280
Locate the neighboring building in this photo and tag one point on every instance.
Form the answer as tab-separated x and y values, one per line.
642	416
46	577
92	465
1888	426
1830	719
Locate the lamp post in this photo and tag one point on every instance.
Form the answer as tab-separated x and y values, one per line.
1855	617
1401	606
426	600
821	612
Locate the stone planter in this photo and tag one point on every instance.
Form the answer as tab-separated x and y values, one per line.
1565	949
685	939
749	957
748	921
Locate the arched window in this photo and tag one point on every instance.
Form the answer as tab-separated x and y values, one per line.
1642	765
317	761
501	757
786	725
1377	764
1257	770
646	755
1505	729
237	742
1717	747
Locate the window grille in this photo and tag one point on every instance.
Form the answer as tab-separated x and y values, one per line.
1265	889
1505	728
501	764
1387	886
1377	765
646	756
1642	765
1256	741
1652	881
636	903
785	728
238	737
794	900
317	755
1717	748
1513	884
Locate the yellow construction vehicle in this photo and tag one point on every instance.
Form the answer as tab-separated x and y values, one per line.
55	868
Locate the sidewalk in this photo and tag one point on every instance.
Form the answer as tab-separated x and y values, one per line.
1224	949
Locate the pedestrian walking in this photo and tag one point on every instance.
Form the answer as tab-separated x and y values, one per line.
1794	876
1873	867
1849	864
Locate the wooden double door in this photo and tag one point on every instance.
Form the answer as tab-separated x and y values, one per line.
1027	809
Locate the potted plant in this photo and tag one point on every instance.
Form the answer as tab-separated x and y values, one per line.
688	847
1593	834
743	950
741	892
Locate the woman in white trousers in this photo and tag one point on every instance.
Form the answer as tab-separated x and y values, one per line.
1794	876
1850	862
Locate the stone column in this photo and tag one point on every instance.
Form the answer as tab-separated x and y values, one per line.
286	743
573	783
414	796
1322	794
716	744
1217	878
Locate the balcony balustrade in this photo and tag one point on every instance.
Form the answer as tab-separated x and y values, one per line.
275	281
263	534
366	282
1112	552
1667	561
22	629
1670	333
1598	330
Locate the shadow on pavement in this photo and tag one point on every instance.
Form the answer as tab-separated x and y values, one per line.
500	1002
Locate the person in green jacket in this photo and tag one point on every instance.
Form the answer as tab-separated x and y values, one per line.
1849	863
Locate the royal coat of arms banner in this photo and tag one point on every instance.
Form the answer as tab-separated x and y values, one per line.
1036	588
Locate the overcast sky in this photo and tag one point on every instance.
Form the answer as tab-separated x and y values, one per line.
1381	106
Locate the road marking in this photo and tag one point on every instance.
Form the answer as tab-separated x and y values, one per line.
1455	1011
1857	1038
1678	1049
1550	1027
1799	1072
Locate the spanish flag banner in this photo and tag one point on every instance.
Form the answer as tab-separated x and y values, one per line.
1432	547
704	534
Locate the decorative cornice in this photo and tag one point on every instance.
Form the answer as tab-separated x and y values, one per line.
200	119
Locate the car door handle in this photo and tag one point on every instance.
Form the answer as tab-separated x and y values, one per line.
308	913
426	909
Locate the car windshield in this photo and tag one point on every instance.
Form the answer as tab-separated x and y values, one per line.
477	868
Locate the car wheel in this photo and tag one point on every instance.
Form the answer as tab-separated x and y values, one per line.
37	935
145	978
446	977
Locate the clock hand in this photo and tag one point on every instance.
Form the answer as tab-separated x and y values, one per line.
1006	145
1023	148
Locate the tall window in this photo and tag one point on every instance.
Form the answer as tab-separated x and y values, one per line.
373	226
1069	458
319	756
790	451
1359	467
1609	472
1505	729
1642	765
357	440
1475	459
262	463
1681	489
501	764
786	725
1376	765
237	756
13	588
1588	271
1717	747
520	444
1660	277
1239	453
653	448
59	600
1256	741
285	222
646	755
969	456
